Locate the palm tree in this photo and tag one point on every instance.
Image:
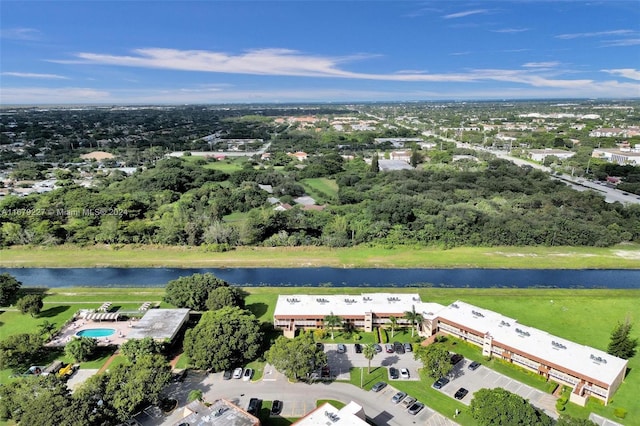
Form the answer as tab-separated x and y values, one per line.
47	328
369	351
393	322
413	317
332	321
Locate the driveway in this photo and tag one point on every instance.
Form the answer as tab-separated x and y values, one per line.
483	377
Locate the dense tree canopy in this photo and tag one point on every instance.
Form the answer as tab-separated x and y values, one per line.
196	290
223	339
81	348
133	349
20	351
297	358
435	358
30	304
9	288
499	407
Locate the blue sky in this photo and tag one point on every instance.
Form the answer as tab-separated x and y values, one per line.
177	52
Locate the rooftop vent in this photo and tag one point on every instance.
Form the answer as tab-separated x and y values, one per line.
558	345
505	324
523	333
477	314
598	359
453	305
292	300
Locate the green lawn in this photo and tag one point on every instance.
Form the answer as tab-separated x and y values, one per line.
624	256
227	166
321	189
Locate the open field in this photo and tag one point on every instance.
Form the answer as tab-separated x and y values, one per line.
619	257
564	312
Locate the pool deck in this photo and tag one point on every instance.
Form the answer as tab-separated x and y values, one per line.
68	332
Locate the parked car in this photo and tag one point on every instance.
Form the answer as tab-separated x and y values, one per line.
379	386
404	373
320	346
456	358
408	347
408	401
237	373
398	347
461	393
474	365
388	348
325	372
416	407
254	407
276	407
358	348
342	348
398	397
440	382
378	348
227	375
393	373
247	374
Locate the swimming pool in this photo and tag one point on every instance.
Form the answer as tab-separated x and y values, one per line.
96	332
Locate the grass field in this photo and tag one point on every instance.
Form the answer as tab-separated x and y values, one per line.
584	316
321	189
619	257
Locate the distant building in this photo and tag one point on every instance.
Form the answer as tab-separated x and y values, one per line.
97	155
541	154
397	142
620	156
608	133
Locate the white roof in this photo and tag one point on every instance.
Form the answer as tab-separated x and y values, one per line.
159	324
327	414
349	305
585	360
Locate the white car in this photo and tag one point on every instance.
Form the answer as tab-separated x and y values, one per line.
404	373
237	373
248	372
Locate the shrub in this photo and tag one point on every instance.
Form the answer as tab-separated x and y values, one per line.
319	334
356	337
384	337
620	413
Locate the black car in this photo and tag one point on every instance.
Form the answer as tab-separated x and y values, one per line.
393	373
456	358
474	365
179	377
416	408
461	393
398	347
358	348
320	346
227	375
325	373
440	382
254	407
276	407
379	386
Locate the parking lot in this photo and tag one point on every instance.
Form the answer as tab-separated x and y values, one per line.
399	413
483	377
340	363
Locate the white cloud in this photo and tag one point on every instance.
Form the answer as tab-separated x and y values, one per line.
594	34
20	34
550	64
35	75
466	13
621	42
629	73
510	30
